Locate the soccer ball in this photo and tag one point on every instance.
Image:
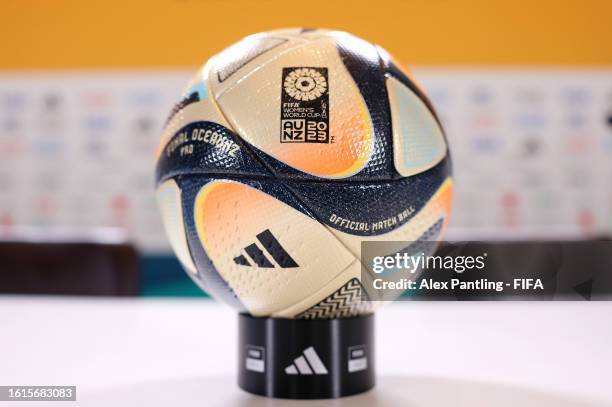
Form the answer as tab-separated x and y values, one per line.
287	150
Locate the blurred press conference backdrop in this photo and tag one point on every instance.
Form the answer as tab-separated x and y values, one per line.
532	149
524	93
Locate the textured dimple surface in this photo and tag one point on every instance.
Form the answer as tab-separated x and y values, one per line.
363	62
238	55
207	277
315	202
362	147
438	207
207	148
417	137
252	105
170	204
370	208
232	218
393	70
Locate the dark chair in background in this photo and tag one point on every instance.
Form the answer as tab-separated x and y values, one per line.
67	268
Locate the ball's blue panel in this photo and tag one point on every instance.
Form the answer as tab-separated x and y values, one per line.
365	66
206	275
170	204
370	208
189	98
205	147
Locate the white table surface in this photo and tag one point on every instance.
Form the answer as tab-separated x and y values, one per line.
160	352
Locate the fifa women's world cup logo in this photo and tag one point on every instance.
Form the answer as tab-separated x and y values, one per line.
305	84
305	105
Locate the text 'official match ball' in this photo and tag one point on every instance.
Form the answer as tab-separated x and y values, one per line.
287	150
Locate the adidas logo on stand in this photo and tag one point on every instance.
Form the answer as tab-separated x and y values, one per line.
273	248
306	364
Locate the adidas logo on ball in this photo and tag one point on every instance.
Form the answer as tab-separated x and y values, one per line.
258	257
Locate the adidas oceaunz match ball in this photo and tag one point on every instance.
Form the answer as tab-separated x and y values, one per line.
287	150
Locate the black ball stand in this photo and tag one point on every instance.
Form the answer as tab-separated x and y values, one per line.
306	359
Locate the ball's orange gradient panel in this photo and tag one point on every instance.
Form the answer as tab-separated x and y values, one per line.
349	153
228	216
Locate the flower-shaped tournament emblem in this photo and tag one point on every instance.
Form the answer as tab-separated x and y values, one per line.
305	84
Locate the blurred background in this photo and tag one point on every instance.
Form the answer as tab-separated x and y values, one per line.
524	92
